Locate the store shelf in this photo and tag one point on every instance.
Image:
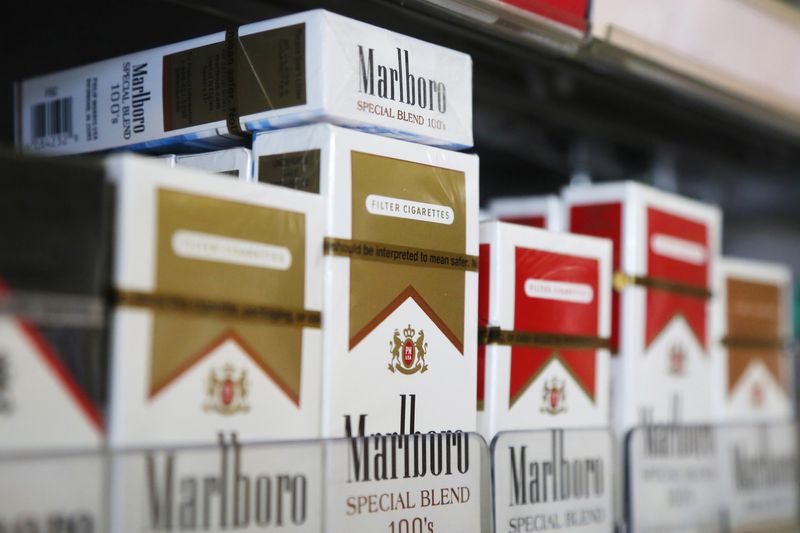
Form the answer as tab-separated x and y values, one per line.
550	104
678	478
549	101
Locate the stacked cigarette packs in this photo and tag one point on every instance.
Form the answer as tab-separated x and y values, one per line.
752	328
537	211
213	90
401	277
665	250
545	314
214	320
235	162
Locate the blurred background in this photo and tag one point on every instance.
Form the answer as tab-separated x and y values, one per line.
701	98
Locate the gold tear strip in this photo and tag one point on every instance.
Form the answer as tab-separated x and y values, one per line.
404	255
226	309
622	280
758	344
495	335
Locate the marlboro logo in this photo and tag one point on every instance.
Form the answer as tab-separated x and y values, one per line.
5	402
397	78
554	397
226	393
408	353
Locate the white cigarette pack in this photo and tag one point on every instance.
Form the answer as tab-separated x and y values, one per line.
210	91
236	162
216	325
752	328
665	252
399	337
545	211
544	309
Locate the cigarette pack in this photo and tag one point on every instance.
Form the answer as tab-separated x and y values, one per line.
544	309
665	250
55	233
214	90
217	320
399	337
752	329
236	162
213	319
537	211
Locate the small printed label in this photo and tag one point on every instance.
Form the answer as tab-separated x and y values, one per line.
673	479
409	209
563	291
553	480
208	247
678	249
295	170
758	467
428	482
258	487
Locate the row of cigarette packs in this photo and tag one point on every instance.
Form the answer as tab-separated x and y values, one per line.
146	305
694	337
213	91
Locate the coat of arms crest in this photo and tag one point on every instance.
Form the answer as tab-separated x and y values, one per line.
408	355
677	360
554	397
757	395
226	391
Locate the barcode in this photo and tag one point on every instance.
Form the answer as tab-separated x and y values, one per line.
52	118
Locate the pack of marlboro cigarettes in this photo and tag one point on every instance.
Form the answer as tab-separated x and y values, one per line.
665	250
537	211
752	330
287	71
399	340
55	233
235	162
545	318
214	320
